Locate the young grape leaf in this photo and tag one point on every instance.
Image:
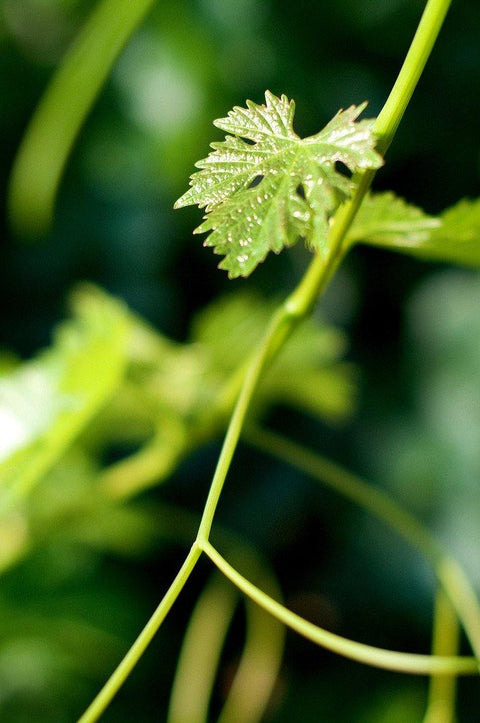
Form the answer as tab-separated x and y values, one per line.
389	221
264	188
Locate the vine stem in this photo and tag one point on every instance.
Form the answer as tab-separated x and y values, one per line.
300	303
201	650
296	307
446	640
121	673
378	657
202	647
448	571
392	112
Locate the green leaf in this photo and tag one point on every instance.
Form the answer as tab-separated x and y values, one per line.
46	402
390	222
309	374
457	239
264	188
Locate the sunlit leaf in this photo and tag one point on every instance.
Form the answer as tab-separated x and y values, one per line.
264	188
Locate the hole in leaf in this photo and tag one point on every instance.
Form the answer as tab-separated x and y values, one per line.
300	191
258	179
343	169
248	141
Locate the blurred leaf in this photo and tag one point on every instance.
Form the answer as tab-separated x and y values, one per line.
8	362
230	327
264	188
308	374
172	384
176	395
48	401
390	222
458	238
62	110
164	380
162	396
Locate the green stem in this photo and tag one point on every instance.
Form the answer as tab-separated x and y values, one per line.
422	44
176	524
259	665
378	657
284	321
299	304
200	654
281	326
441	695
118	677
378	503
152	464
58	118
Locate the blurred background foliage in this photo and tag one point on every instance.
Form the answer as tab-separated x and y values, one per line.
78	582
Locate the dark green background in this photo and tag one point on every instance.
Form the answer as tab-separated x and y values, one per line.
414	327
